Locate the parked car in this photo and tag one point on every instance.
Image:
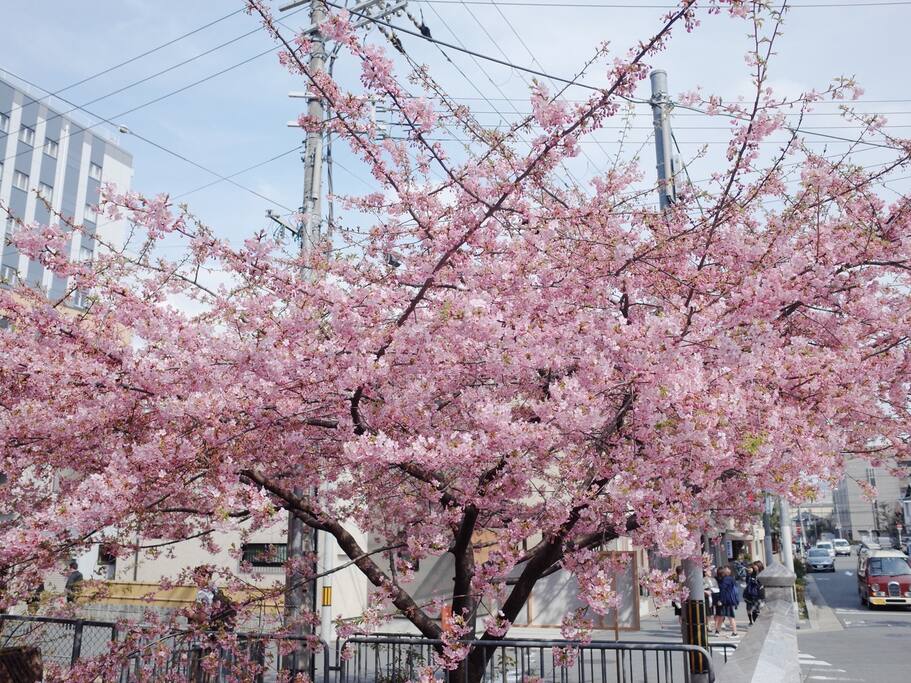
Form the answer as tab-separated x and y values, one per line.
884	578
827	546
842	547
819	560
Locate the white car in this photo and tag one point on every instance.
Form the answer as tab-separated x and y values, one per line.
828	547
842	547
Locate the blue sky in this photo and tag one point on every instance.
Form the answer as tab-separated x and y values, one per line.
239	118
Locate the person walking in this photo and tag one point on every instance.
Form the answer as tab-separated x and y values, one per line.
727	595
680	577
752	594
73	582
214	614
711	597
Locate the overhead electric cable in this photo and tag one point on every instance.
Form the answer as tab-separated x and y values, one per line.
500	90
80	129
137	57
276	157
161	147
628	5
566	80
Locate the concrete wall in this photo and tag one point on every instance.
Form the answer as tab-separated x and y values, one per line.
769	651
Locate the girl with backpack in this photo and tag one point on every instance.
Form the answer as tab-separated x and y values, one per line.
752	593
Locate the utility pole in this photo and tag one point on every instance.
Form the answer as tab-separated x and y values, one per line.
787	549
694	619
767	531
299	590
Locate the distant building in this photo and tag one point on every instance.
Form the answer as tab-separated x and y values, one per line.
46	151
857	518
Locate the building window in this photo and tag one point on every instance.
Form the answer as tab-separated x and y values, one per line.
85	254
46	191
265	554
90	214
51	148
81	300
4	123
7	275
27	135
20	180
95	171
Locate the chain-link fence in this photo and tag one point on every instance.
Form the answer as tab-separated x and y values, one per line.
62	642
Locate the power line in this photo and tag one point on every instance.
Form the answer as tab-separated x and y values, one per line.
135	58
627	5
499	89
276	157
155	100
154	75
645	103
567	81
161	147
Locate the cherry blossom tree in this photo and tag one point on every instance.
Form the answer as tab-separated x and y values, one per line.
493	362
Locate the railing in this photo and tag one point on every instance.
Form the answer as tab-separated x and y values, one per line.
61	641
387	658
258	658
400	659
178	656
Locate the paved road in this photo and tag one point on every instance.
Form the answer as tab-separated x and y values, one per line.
850	643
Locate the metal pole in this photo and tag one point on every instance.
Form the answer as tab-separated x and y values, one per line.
299	590
694	626
767	531
661	107
327	564
787	550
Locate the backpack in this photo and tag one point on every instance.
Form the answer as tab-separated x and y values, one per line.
753	591
224	611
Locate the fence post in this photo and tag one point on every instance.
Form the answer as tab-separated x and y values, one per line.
77	643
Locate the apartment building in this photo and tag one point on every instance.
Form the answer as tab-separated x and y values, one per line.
51	158
857	518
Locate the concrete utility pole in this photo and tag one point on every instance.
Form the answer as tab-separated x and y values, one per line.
787	548
661	112
694	618
767	532
301	541
299	590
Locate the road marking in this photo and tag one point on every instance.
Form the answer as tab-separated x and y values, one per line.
849	573
831	678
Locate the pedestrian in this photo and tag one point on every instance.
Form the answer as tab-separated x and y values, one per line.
711	594
215	614
73	582
33	601
727	595
717	613
680	578
752	594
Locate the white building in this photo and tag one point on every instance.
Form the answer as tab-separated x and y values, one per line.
64	160
857	518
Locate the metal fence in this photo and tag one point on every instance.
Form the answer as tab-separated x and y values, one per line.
258	658
61	641
397	660
387	658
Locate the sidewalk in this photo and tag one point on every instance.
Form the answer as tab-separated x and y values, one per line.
656	626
